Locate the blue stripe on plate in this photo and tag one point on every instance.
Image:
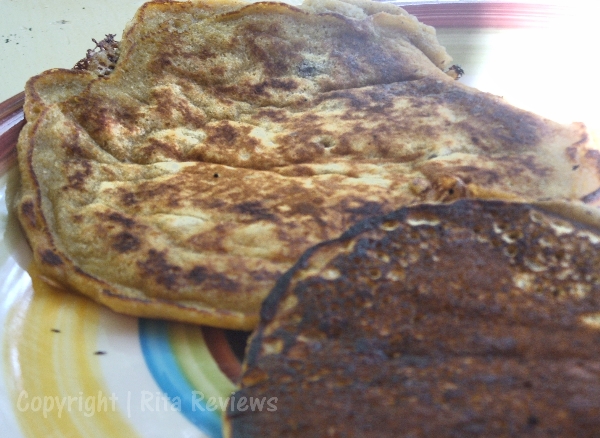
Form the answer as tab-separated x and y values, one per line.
160	359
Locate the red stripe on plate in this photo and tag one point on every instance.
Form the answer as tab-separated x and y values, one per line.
219	347
12	120
485	15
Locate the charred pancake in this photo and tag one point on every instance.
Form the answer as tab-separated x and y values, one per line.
477	318
228	139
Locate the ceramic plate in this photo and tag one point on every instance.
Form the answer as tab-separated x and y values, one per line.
71	368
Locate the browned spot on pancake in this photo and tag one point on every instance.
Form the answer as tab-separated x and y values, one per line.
264	275
513	134
204	53
216	204
125	242
79	172
162	62
156	266
231	144
308	209
160	149
352	99
217	71
260	88
176	109
594	155
28	211
308	119
571	152
49	257
169	193
170	60
200	275
98	113
272	114
301	171
223	134
287	84
262	42
212	240
354	40
71	144
127	198
256	210
302	145
343	145
253	91
530	162
123	220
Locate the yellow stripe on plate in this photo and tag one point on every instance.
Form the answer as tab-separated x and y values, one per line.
57	384
198	365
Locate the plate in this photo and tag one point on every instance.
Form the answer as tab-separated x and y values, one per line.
71	368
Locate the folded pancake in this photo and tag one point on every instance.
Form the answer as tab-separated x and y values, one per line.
230	138
475	318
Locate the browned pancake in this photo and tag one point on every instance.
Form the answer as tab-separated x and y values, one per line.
227	140
477	318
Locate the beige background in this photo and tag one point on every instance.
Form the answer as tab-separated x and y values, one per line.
36	35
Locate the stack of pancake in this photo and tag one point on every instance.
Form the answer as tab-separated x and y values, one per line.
185	178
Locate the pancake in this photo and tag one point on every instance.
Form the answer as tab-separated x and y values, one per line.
475	318
181	180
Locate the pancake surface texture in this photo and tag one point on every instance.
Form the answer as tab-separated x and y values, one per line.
229	138
476	318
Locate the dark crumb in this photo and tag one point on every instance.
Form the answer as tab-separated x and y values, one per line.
55	330
100	353
102	59
532	421
216	175
576	167
455	72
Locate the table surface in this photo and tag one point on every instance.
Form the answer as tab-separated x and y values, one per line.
36	35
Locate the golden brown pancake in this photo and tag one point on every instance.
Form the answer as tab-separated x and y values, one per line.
228	139
476	318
